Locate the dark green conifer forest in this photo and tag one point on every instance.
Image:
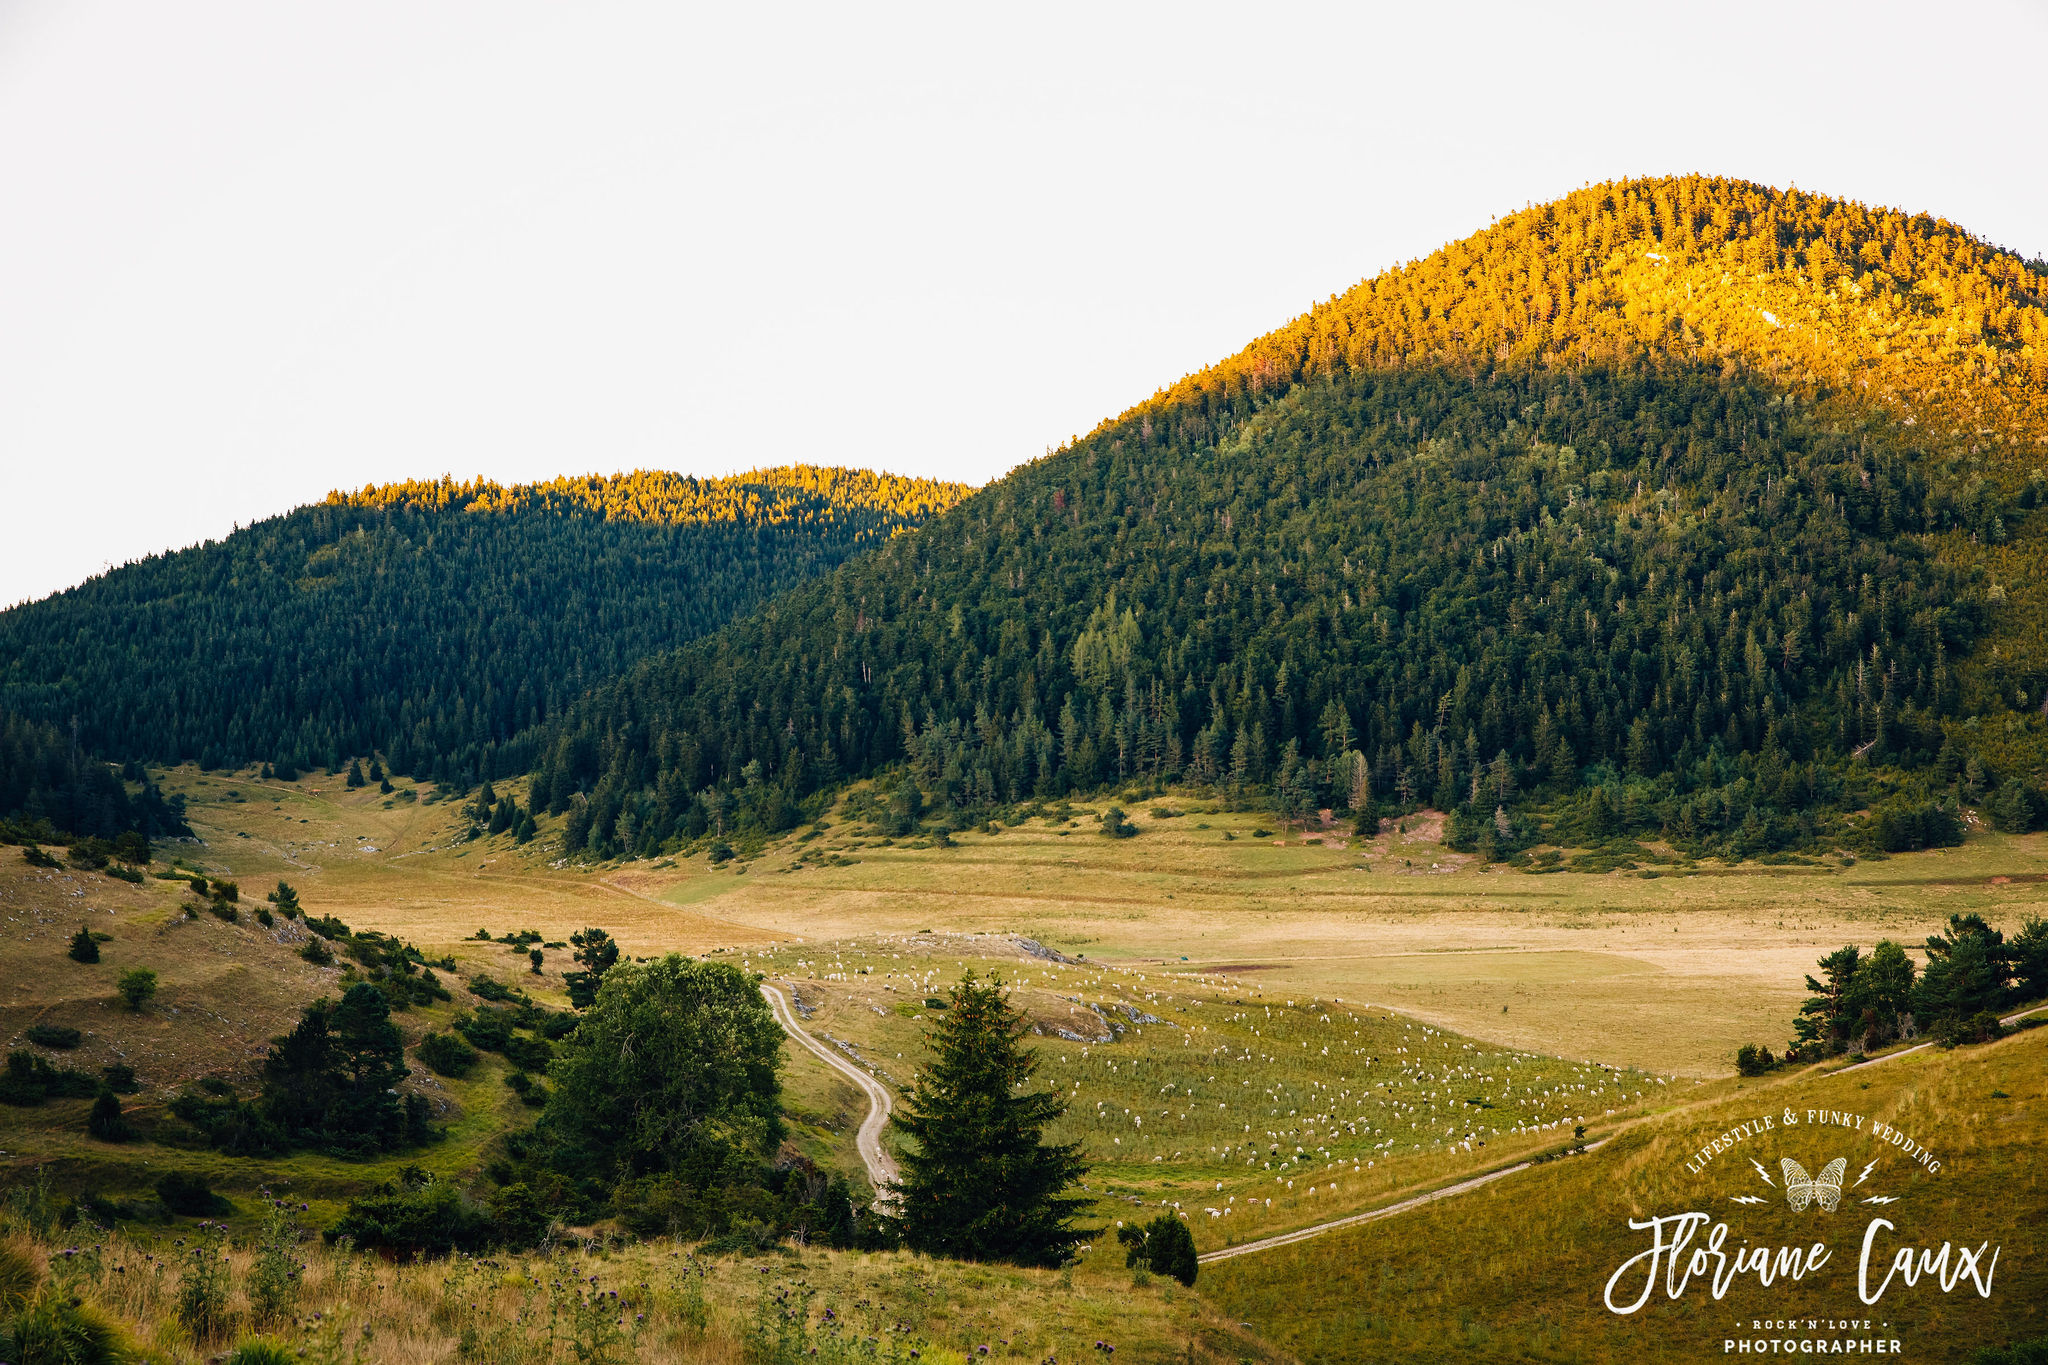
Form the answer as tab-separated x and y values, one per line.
1562	519
430	622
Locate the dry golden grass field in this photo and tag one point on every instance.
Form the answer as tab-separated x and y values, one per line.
1262	1031
1671	972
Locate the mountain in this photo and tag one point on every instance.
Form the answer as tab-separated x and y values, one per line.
1683	506
431	622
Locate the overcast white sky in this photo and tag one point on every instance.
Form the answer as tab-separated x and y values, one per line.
254	251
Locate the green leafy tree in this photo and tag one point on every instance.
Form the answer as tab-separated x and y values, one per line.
84	948
137	987
981	1182
672	1071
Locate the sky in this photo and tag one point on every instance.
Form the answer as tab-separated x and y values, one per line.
252	252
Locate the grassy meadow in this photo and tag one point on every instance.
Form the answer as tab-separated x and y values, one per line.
1259	1029
1516	1270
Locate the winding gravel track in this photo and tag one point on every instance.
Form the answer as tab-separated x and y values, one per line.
881	1166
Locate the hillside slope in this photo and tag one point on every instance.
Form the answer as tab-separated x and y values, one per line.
430	621
1689	506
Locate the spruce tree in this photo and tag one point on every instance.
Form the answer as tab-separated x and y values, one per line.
982	1183
83	948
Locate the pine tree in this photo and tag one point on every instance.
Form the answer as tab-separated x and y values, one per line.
982	1184
286	899
598	952
83	947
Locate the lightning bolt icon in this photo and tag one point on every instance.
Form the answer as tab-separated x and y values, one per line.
1766	1174
1882	1199
1866	1174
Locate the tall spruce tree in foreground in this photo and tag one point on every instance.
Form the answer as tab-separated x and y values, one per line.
982	1184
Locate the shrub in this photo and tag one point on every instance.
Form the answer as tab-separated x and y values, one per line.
57	1036
84	948
120	1078
274	1274
204	1289
528	1054
446	1054
261	1351
137	987
30	1080
1115	826
485	1029
35	857
106	1122
190	1196
1163	1246
48	1328
720	852
1752	1059
422	1217
317	952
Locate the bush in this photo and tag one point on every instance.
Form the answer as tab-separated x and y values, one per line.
1163	1246
29	1080
421	1217
1115	826
262	1351
57	1036
190	1196
106	1122
84	948
120	1078
137	987
42	1327
2033	1352
35	857
528	1054
446	1054
485	1029
1752	1059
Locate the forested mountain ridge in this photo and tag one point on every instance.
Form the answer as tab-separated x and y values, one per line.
1685	506
431	622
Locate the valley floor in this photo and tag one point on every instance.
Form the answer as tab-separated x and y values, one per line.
1262	1031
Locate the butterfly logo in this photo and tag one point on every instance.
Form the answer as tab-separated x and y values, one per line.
1824	1189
